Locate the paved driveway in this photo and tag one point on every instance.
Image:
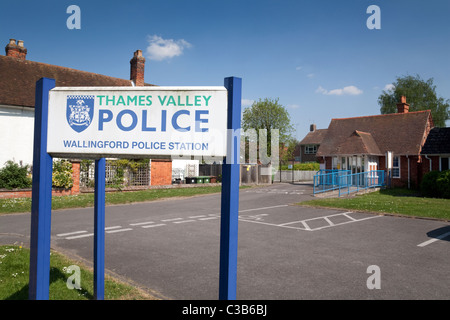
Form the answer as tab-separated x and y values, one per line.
285	251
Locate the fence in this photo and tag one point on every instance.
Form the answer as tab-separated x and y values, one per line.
118	174
211	170
346	182
256	173
293	175
250	173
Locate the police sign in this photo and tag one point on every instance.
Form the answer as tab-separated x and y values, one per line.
146	121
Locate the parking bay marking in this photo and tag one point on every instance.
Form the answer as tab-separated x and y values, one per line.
254	219
442	236
307	227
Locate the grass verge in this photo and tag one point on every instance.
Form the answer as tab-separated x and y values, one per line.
394	201
87	199
14	277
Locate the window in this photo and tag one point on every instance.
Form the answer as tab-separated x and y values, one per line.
396	167
444	163
310	149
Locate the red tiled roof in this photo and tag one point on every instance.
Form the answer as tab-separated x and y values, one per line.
358	143
18	79
314	137
402	133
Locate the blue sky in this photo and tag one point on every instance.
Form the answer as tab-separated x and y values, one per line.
318	57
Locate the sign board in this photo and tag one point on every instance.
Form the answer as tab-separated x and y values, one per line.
144	121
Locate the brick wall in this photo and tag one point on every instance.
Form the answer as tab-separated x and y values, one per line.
161	172
307	157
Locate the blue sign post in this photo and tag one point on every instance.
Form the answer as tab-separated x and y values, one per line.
230	194
99	229
41	199
41	202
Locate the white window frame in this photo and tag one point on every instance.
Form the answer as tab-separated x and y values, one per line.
313	147
395	167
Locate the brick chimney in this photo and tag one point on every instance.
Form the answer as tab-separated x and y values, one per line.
402	107
312	127
16	50
137	68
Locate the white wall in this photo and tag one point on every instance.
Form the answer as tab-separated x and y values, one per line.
16	134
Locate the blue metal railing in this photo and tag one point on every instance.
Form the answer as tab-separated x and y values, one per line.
327	180
347	182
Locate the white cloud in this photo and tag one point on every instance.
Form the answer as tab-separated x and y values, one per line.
320	89
247	102
350	90
160	49
293	106
389	87
310	75
298	68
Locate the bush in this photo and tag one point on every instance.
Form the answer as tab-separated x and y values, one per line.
436	184
443	184
306	166
62	174
15	176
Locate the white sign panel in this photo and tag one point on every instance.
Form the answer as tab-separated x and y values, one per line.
142	121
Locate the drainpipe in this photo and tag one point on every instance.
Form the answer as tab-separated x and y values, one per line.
426	157
409	173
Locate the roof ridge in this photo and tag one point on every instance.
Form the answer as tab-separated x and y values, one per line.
61	67
383	115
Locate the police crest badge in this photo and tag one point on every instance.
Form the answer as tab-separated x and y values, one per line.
80	111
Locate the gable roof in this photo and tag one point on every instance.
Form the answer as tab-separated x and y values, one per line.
18	79
438	142
402	133
358	143
314	137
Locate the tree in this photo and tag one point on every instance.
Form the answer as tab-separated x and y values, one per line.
420	95
269	114
290	150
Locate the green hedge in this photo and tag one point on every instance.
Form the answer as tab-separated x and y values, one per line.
436	184
307	166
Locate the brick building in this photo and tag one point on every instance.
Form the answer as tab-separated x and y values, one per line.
436	151
306	150
18	78
361	144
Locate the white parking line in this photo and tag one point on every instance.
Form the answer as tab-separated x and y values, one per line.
111	228
196	217
141	223
264	208
170	220
184	221
154	225
442	236
80	236
305	225
70	233
119	230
